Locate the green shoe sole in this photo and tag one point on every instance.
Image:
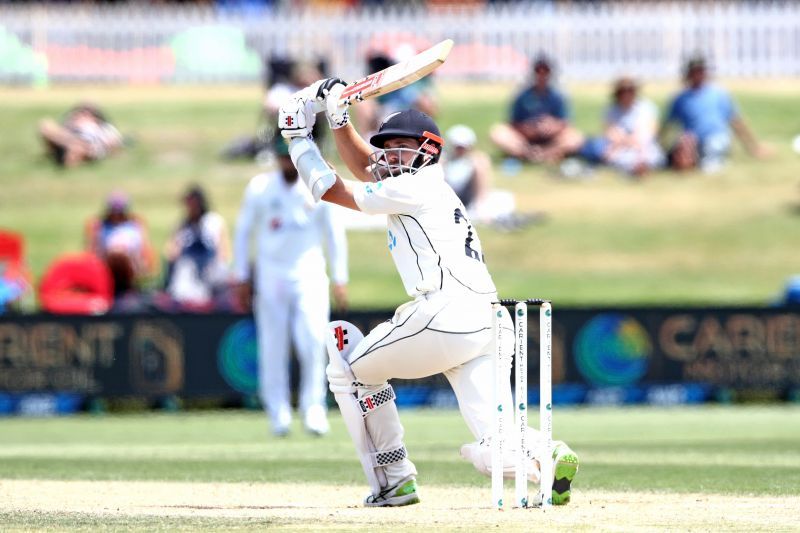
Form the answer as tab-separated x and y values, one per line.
410	501
406	494
566	468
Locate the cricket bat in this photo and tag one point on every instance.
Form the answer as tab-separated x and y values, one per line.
398	75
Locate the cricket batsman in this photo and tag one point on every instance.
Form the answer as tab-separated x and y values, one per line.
445	328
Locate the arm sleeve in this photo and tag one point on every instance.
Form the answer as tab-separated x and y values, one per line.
241	238
392	196
336	244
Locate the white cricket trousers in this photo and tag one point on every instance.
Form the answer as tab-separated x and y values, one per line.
438	333
291	312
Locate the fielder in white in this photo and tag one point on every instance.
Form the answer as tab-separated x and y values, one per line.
292	287
446	328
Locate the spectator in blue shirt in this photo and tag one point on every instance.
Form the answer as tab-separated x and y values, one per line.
538	129
706	113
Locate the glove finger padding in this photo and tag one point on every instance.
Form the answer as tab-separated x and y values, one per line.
338	116
325	86
296	118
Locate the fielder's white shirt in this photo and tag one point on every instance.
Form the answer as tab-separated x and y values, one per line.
433	244
290	230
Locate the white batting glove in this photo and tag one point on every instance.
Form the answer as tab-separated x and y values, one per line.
338	380
310	93
296	118
328	93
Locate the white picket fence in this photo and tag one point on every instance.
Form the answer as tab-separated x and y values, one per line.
595	42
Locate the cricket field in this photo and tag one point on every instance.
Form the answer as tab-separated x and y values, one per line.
684	468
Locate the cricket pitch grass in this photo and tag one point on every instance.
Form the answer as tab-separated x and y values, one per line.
705	469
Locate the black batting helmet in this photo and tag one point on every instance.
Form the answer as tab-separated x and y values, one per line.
411	124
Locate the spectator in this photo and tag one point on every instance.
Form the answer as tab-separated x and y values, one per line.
629	141
198	254
300	74
420	95
468	170
706	113
284	77
84	134
121	240
539	128
791	293
16	290
292	302
78	283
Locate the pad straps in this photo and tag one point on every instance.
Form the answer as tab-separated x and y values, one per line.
390	456
371	402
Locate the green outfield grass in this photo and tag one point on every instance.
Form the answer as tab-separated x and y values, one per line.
727	450
695	239
684	454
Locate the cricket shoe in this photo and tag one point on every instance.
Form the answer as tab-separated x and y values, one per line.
565	466
316	421
281	422
404	493
280	431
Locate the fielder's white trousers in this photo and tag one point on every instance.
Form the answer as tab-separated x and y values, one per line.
291	312
439	333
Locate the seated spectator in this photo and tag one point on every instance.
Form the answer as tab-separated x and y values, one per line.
83	135
706	113
77	284
791	293
121	239
16	290
629	141
539	128
284	77
198	255
468	170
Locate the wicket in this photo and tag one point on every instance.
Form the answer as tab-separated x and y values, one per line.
501	382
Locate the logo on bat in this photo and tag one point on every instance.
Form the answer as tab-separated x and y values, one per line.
373	80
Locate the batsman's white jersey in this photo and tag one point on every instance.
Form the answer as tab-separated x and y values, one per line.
447	327
292	287
433	244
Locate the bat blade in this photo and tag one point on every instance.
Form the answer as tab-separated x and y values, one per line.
398	75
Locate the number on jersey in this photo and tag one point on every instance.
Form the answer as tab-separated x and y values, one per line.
468	249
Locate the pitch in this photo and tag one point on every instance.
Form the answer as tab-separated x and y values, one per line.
699	468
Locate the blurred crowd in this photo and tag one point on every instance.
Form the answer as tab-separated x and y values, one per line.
120	270
695	131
